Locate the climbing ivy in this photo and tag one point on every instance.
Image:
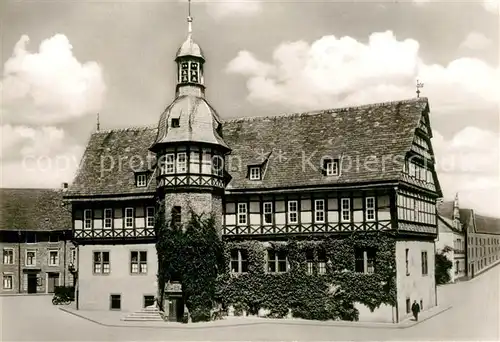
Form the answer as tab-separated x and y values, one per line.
192	254
313	296
442	267
196	256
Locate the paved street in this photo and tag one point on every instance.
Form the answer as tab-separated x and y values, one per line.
474	316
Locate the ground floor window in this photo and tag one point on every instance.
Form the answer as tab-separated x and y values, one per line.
239	261
115	302
277	261
364	260
408	305
149	300
7	281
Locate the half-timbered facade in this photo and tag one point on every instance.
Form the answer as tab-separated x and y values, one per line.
317	174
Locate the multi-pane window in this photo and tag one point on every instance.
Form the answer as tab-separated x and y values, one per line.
8	256
169	163
206	163
7	281
239	261
184	72
194	72
115	302
370	208
268	212
346	209
30	258
293	212
407	261
319	211
424	263
242	213
176	216
310	261
417	210
129	217
53	258
277	261
101	263
150	217
322	262
364	260
332	167
218	166
141	180
87	218
181	162
138	262
108	218
255	173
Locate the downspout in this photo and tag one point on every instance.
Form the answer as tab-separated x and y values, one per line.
77	278
64	262
435	284
19	280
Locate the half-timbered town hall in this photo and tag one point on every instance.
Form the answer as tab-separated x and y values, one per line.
326	174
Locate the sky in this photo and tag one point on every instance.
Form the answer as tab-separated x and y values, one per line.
64	61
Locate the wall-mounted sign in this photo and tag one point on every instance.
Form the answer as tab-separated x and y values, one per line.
173	287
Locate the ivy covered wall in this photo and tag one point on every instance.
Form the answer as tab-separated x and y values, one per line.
196	256
330	295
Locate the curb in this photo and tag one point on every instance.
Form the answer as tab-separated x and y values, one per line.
403	325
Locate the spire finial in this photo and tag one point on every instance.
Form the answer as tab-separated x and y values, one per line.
189	19
419	85
98	124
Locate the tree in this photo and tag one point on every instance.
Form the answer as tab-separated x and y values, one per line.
443	266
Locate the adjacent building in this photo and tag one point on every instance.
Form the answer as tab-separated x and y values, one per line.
35	239
311	175
451	239
474	239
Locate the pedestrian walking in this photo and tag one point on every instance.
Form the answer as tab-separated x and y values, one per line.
415	308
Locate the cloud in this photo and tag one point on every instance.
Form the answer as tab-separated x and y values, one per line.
49	86
491	5
475	41
37	157
469	163
340	71
227	8
334	72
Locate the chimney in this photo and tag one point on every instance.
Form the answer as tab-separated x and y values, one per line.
64	186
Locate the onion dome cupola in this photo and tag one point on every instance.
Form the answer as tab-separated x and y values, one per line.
189	145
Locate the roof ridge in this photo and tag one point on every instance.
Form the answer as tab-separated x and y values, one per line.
126	129
328	110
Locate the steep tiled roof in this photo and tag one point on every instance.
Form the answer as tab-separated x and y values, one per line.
33	209
110	161
485	224
445	209
299	142
292	147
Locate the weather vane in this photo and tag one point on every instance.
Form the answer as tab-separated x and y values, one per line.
419	85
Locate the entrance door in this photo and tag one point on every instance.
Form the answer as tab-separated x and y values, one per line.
32	283
175	309
53	282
